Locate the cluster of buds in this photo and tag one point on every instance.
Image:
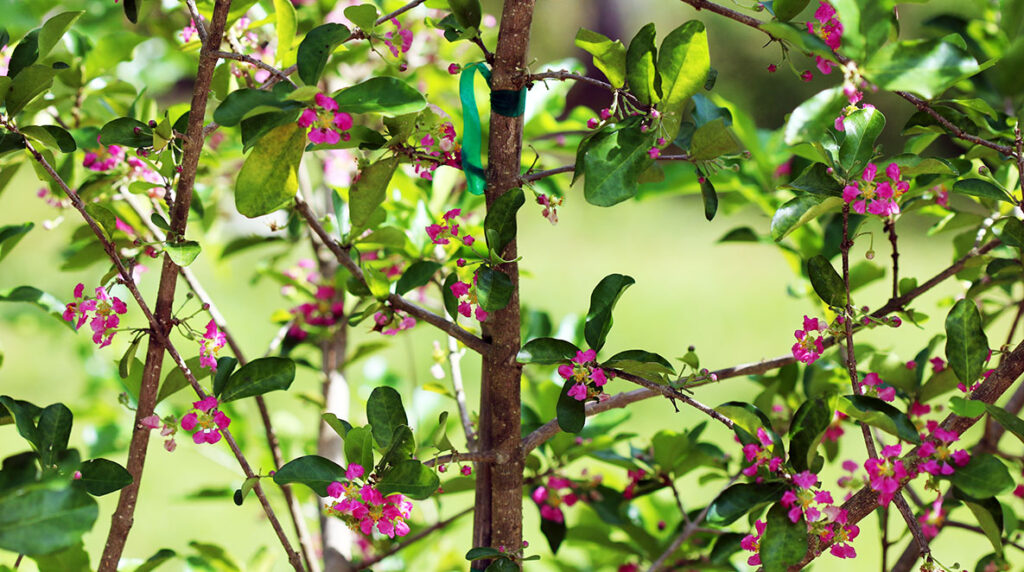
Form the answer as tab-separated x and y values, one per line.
101	312
324	311
550	204
560	491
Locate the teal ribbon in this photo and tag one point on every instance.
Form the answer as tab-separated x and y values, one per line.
506	102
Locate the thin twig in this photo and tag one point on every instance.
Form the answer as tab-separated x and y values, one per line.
397	302
197	19
475	457
537	175
851	358
454	358
254	62
399	12
564	75
418	536
673	393
890	229
688	531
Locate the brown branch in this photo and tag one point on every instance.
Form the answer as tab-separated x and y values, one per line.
475	457
397	302
253	62
688	530
673	393
537	175
418	536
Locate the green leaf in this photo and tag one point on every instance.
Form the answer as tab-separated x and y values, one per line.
411	478
924	67
786	10
53	137
52	431
316	48
862	128
816	180
500	222
503	564
966	407
468	13
1009	421
493	288
612	160
124	365
809	122
796	212
359	446
247	102
641	72
966	343
571	412
363	15
1011	232
313	471
989	514
602	301
54	29
709	197
25	415
982	189
340	426
402	447
385	95
640	362
183	253
370	191
809	424
71	559
100	476
683	65
418	274
739	499
225	367
131	10
175	381
39	520
609	56
546	351
712	140
33	295
121	131
151	563
784	542
269	177
258	377
878	413
827	283
554	533
29	84
10	235
385	414
284	12
984	476
481	552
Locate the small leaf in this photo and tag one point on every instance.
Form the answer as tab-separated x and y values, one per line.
739	499
641	73
370	191
481	552
340	426
984	476
493	288
247	102
385	95
363	15
862	128
712	140
784	542
609	56
316	48
54	29
313	471
809	122
225	366
571	412
500	222
100	476
418	274
966	342
799	211
554	532
258	377
1011	232
10	235
683	64
385	414
402	447
1009	421
411	478
284	13
122	131
612	161
52	431
709	197
640	362
131	10
786	10
269	177
33	295
602	301
878	413
467	13
183	253
359	446
124	366
989	514
982	189
29	84
25	415
809	424
546	351
816	180
827	283
503	564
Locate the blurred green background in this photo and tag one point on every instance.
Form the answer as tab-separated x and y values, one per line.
736	302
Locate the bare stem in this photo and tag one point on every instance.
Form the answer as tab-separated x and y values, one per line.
454	361
414	538
253	62
688	531
399	12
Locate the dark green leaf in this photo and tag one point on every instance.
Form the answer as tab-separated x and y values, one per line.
862	128
54	29
468	13
29	84
370	191
546	351
641	71
451	303
493	288
503	564
124	365
269	177
500	222
100	476
340	426
612	160
151	563
225	367
71	559
989	514
385	414
878	413
411	478
602	301
47	302
798	211
640	362
982	189
402	447
258	377
418	274
385	95
808	426
739	499
25	54
809	122
359	446
248	102
481	552
313	471
40	520
571	412
554	532
175	381
10	235
816	180
316	48
122	131
1009	421
827	283
786	10
784	542
984	476
131	10
925	67
712	140
609	56
53	430
1012	233
709	197
966	342
25	415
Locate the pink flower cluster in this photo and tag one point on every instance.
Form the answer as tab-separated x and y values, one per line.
634	476
105	158
325	311
882	196
328	126
550	500
752	543
436	151
886	473
936	448
404	35
587	379
211	343
801	503
932	519
390	322
808	346
829	29
207	418
761	455
443	233
872	385
168	430
364	508
550	204
104	308
466	296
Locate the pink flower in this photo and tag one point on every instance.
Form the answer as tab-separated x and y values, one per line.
454	69
752	543
460	289
886	473
592	123
354	471
213	340
207	418
328	126
578	391
151	422
807	75
104	319
654	152
466	470
772	68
